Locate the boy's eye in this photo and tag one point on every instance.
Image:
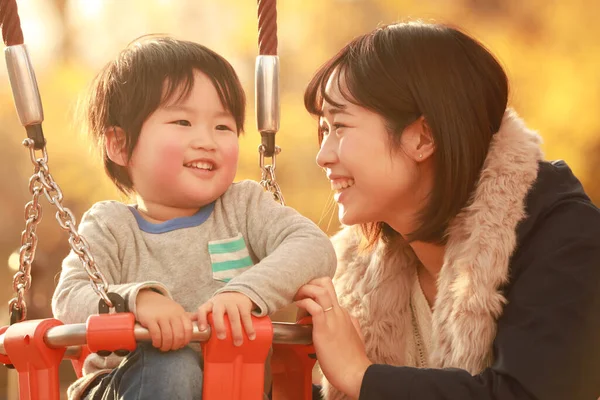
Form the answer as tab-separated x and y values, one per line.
182	122
338	126
224	128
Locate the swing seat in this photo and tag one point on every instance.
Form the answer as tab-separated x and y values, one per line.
37	347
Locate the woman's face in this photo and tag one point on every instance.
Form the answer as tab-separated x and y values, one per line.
373	179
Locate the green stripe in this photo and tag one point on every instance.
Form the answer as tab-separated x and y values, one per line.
227	247
233	264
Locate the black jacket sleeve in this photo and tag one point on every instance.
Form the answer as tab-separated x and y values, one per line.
548	342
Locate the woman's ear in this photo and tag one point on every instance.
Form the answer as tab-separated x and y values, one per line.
417	140
116	146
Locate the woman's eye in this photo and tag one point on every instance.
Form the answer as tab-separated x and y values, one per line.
338	126
224	128
182	122
323	130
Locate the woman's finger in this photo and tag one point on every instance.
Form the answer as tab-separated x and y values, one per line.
326	283
357	327
319	294
314	309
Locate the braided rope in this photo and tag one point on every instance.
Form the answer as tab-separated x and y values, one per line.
11	24
267	27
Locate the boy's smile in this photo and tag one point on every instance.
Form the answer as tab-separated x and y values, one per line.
187	153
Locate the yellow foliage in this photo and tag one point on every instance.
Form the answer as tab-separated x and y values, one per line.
550	50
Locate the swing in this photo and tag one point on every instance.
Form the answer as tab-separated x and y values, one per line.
35	348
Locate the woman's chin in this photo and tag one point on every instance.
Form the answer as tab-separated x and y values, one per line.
348	218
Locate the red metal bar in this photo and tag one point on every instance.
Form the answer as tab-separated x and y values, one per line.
36	363
292	367
237	373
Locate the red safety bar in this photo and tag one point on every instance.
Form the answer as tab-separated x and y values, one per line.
4	359
230	372
237	373
292	367
36	363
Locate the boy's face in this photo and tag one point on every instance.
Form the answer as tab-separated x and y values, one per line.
187	152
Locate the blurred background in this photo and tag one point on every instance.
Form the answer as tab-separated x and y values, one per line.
549	49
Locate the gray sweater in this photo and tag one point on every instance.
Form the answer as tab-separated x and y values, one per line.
243	242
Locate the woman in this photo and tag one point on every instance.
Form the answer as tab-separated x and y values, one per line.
471	265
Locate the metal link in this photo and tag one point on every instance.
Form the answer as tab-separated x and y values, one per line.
268	180
42	182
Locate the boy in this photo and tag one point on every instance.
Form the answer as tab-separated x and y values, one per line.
167	115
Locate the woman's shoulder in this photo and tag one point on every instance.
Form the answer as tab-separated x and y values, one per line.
561	218
555	193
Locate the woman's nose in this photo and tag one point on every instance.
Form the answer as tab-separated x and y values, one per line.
327	154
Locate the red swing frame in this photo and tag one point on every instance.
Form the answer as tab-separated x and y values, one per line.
230	372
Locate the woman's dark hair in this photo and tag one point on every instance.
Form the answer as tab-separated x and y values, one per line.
408	70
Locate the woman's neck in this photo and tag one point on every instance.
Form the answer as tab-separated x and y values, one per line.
431	257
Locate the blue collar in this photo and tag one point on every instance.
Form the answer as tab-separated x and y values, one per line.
173	224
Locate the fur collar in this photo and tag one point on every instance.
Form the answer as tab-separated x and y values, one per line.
375	287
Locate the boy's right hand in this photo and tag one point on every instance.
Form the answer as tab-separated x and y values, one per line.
170	326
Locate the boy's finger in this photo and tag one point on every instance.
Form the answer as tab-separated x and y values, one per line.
218	321
166	334
236	325
246	317
178	333
188	328
154	330
202	315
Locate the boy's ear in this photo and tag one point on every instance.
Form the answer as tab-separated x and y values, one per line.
115	146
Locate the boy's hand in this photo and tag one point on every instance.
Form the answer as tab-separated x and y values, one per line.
169	325
237	306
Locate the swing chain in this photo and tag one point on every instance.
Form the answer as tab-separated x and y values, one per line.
17	306
42	182
268	180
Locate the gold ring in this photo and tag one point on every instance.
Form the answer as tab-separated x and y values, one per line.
328	309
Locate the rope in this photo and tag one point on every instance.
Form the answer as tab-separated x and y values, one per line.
11	24
267	27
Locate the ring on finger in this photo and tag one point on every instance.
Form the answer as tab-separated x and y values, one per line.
328	309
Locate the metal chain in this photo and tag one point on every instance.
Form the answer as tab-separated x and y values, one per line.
268	180
42	182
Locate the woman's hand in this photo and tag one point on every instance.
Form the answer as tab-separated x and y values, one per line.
336	336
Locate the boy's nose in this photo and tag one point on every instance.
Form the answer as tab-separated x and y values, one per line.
204	139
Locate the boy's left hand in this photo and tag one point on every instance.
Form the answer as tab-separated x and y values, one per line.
237	306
